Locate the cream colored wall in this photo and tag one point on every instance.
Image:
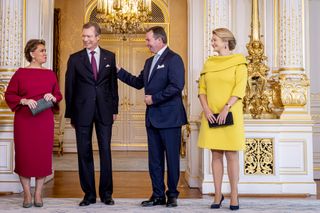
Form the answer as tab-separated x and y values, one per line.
72	16
179	28
72	19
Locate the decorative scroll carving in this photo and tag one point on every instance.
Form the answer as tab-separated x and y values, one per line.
125	104
2	90
4	80
186	130
293	80
259	156
258	99
294	89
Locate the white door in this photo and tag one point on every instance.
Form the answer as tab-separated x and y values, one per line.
129	131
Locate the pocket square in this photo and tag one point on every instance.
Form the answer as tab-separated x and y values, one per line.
108	65
160	66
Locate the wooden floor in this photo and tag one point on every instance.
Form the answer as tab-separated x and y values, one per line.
129	185
125	184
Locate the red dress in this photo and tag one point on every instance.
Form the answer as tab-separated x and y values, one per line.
33	135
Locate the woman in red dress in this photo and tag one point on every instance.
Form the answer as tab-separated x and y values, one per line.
33	135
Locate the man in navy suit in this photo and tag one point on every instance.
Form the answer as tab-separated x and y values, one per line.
91	94
163	80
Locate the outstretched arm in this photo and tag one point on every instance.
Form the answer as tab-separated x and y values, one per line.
134	81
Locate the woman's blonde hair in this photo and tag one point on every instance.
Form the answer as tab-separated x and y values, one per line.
226	35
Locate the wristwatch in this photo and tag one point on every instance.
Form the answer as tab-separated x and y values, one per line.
228	105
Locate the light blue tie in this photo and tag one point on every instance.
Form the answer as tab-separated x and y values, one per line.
154	61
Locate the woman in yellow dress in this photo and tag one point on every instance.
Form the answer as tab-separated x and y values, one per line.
221	89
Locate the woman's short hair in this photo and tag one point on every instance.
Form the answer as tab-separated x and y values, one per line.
31	46
226	35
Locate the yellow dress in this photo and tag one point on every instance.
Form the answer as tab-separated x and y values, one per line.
221	78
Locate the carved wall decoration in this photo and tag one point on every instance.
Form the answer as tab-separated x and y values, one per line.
294	89
259	156
11	33
293	80
258	99
218	16
3	86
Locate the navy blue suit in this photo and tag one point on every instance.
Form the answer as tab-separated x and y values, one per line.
91	101
164	117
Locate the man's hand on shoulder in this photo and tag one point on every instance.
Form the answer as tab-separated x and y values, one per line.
118	67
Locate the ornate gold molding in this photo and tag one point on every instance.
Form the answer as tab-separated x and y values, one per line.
259	156
294	89
4	80
291	69
7	70
125	104
259	94
185	134
138	117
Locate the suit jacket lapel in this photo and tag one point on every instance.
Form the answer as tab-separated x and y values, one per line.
102	63
147	71
160	61
85	61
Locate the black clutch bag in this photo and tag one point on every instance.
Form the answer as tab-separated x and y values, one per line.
42	105
229	121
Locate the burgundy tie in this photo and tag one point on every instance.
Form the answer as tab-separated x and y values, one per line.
94	65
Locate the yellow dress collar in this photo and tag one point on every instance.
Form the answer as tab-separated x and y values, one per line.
219	63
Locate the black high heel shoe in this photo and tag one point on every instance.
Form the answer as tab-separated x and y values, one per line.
233	208
217	205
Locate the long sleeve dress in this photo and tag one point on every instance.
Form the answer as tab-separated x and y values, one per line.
221	78
33	135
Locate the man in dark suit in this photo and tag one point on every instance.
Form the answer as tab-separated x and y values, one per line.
163	80
91	93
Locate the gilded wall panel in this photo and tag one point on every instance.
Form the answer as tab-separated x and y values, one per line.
291	33
11	35
218	15
259	156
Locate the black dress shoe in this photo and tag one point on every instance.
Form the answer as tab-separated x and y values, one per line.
217	205
86	202
233	208
154	201
172	202
107	201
